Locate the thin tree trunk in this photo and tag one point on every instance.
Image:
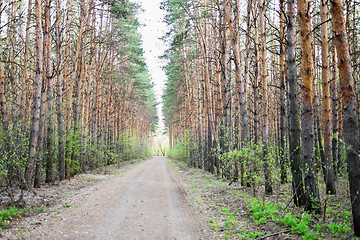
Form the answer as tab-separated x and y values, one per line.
325	75
265	107
335	108
70	86
2	83
243	97
30	166
25	67
40	145
50	93
60	84
234	39
256	79
294	140
225	99
283	157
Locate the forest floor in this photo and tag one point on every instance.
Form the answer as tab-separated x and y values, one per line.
233	211
163	199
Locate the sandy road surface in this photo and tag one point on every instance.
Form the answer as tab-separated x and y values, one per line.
144	203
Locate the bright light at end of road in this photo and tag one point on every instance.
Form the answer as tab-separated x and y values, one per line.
152	29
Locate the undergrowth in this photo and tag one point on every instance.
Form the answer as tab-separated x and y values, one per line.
6	215
235	212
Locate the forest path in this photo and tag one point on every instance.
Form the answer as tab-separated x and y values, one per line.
144	203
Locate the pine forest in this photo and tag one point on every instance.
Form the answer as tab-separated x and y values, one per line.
260	94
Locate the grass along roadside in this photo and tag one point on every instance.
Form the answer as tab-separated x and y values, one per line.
235	212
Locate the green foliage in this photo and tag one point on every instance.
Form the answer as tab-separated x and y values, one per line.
122	8
5	214
231	220
40	209
2	223
134	73
128	147
25	211
337	229
14	146
185	150
85	149
253	235
175	9
74	149
15	212
67	206
11	213
264	212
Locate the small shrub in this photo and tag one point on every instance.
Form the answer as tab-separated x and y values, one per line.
2	223
253	235
67	206
14	212
337	229
40	209
5	214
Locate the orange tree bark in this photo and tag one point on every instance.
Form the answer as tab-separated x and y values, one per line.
234	39
265	106
25	67
312	198
350	108
59	80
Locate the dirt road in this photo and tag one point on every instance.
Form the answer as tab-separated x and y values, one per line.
144	203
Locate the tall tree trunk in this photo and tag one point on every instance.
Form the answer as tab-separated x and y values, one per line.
234	39
60	85
325	75
312	197
40	145
265	107
225	98
2	84
350	108
30	166
283	157
256	78
25	67
50	93
243	96
78	74
294	142
68	84
335	108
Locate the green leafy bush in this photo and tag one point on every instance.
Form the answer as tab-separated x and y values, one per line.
337	229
